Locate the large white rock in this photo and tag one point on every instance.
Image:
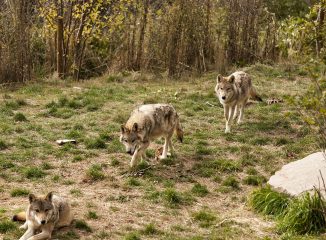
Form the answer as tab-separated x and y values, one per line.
301	176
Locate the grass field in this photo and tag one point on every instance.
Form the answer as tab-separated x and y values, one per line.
201	193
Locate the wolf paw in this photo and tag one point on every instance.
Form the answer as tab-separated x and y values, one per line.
23	227
227	130
163	157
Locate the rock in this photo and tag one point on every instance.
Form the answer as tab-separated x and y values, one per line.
301	176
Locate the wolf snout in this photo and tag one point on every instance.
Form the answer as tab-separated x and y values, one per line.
130	152
43	222
223	97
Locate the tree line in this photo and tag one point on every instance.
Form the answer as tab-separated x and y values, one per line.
84	38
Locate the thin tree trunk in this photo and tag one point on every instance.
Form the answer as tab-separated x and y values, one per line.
60	40
140	47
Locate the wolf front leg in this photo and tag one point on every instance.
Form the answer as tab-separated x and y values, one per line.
226	115
28	234
45	234
134	159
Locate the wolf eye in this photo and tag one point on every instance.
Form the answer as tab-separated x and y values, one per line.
133	140
46	210
37	210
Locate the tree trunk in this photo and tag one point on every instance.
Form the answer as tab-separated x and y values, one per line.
140	47
60	40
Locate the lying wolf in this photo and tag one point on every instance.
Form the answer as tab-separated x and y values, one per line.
43	214
147	123
233	92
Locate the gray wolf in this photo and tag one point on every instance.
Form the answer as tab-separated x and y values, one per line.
233	93
43	214
147	123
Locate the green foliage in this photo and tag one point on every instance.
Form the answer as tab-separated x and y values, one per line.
304	215
266	201
232	182
97	143
150	229
3	145
254	180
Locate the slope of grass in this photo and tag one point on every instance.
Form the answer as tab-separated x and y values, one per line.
210	168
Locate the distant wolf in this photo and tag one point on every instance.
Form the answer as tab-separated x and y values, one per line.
233	92
43	214
147	123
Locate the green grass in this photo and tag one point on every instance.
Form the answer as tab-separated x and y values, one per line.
20	117
204	217
82	225
7	226
254	180
132	236
269	202
34	173
95	172
19	192
150	229
3	145
304	215
96	143
232	182
228	165
199	190
92	215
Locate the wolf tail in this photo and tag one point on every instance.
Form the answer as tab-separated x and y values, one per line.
21	217
179	130
254	95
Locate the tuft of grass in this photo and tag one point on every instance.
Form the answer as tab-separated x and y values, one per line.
34	173
97	143
7	226
269	202
132	236
150	229
199	190
204	217
304	215
254	180
92	215
3	145
133	182
232	182
82	225
172	197
19	192
95	172
20	117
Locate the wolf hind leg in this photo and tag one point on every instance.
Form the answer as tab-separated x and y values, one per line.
236	111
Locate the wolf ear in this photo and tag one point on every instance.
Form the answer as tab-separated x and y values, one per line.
123	129
49	197
135	127
219	78
31	197
231	79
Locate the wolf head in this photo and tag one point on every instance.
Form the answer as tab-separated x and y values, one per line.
41	208
130	138
225	88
